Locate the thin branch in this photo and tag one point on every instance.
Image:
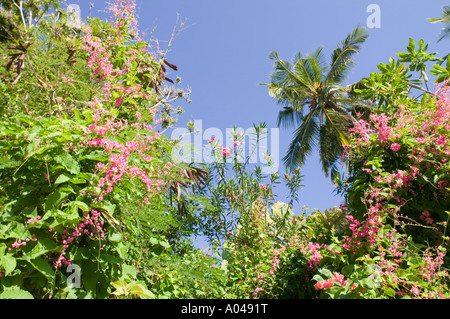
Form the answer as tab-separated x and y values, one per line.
19	6
30	19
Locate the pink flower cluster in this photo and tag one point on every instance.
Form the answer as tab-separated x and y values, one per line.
312	249
432	266
62	260
338	278
226	151
33	220
363	232
425	136
382	127
92	225
19	243
395	147
275	260
119	157
426	217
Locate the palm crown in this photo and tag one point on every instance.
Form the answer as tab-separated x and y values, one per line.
316	103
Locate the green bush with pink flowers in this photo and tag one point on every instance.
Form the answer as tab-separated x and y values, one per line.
85	211
93	206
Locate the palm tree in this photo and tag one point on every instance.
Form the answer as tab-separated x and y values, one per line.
308	81
445	19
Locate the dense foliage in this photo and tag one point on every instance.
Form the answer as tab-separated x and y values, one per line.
84	170
93	206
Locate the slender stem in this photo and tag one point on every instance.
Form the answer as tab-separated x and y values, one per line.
30	19
19	6
417	87
48	174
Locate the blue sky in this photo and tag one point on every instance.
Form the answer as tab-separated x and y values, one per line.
222	55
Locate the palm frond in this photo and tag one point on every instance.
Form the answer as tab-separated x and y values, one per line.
305	139
338	124
312	68
445	19
341	59
316	65
330	149
284	74
288	96
298	64
288	117
288	86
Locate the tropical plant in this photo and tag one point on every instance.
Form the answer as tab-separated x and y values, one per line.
445	19
308	81
83	164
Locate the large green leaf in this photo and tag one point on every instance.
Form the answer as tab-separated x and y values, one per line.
56	198
43	267
15	293
62	179
8	263
43	246
95	156
69	163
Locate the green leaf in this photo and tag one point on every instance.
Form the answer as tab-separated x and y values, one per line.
367	283
43	267
105	205
55	198
115	237
440	68
388	291
318	278
347	270
43	246
138	289
69	163
121	288
15	293
8	263
81	205
62	179
326	273
165	244
95	156
411	47
128	271
7	163
122	249
2	249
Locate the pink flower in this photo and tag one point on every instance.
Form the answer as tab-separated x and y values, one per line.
119	101
318	285
328	284
395	147
226	151
339	278
426	217
211	139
